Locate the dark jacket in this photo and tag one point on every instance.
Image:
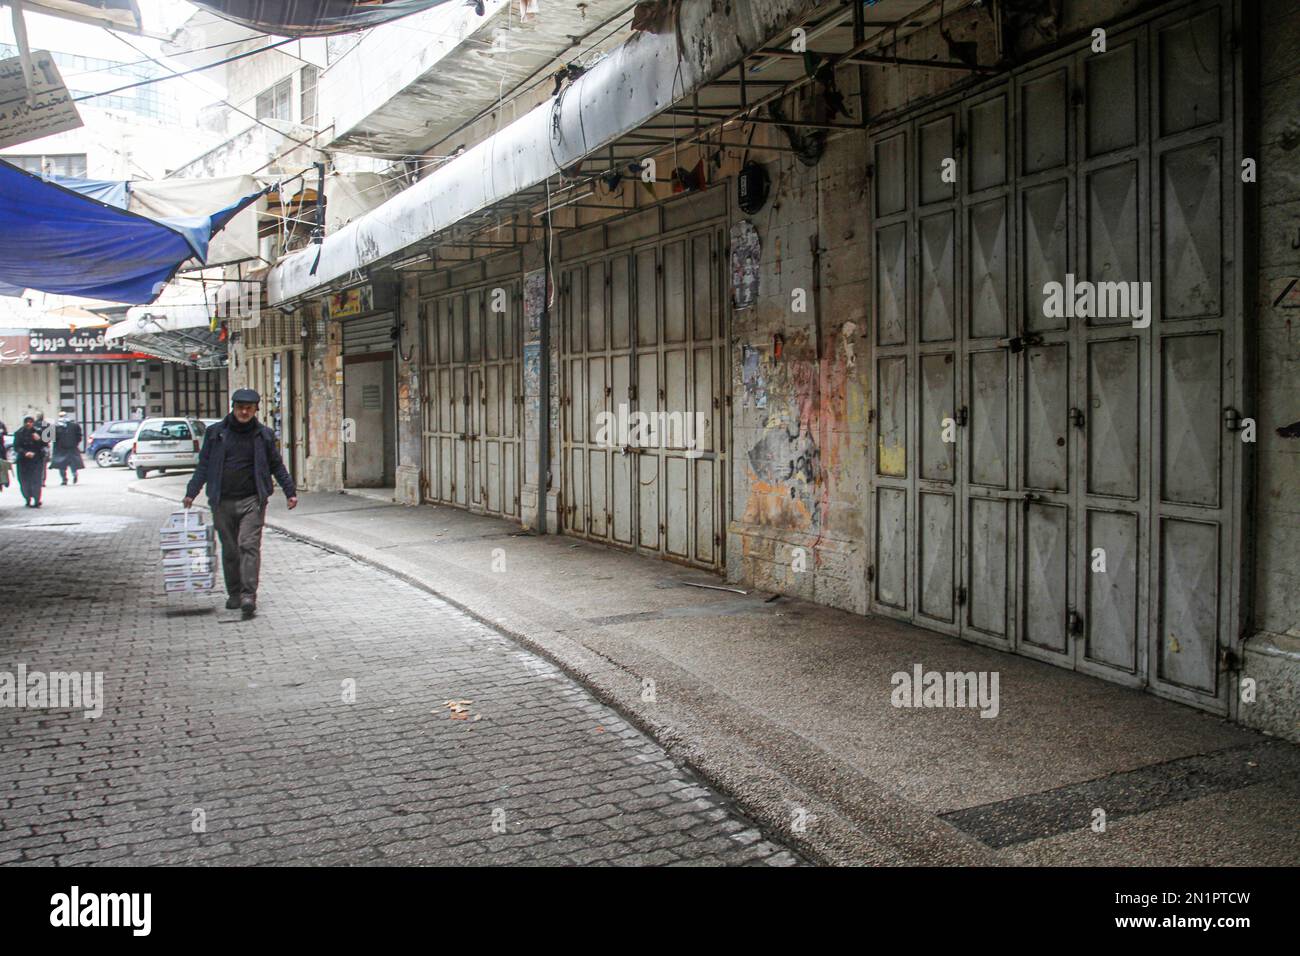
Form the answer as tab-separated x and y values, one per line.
29	439
67	436
212	462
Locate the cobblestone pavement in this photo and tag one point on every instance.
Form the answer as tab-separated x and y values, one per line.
240	730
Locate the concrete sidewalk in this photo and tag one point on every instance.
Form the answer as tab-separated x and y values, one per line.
786	706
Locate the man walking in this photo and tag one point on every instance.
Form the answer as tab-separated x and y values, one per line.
30	449
238	460
67	447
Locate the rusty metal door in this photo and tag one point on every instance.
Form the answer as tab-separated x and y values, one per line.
1112	382
643	339
472	380
988	492
476	398
1196	369
445	399
499	431
1087	513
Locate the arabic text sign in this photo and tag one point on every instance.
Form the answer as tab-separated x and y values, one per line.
63	343
51	109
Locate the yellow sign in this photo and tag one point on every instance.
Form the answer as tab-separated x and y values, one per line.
352	302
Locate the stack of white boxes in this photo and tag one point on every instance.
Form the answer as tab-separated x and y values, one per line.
187	553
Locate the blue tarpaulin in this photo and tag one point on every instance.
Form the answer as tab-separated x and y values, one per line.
64	240
111	191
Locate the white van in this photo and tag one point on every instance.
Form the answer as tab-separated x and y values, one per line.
162	443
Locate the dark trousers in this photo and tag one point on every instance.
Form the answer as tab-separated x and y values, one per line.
31	475
239	526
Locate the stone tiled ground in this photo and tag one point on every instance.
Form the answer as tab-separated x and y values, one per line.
247	723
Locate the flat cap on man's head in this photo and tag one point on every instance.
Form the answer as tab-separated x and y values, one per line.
246	396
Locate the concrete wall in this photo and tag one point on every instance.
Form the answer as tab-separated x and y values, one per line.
799	430
1272	656
410	401
28	390
324	402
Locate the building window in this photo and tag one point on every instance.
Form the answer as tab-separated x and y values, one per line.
309	77
277	102
65	164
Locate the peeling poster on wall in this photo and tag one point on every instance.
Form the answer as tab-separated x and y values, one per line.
746	251
753	376
534	303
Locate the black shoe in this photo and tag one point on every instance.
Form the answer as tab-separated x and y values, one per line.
64	481
232	602
74	479
247	607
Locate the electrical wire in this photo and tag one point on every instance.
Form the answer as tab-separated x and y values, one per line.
176	73
180	53
244	113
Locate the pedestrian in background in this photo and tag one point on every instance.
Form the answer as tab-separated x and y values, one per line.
67	447
4	457
30	447
47	436
238	460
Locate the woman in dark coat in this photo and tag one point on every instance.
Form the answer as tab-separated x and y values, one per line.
67	448
31	462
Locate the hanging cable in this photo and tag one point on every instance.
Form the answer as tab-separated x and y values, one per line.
244	113
175	73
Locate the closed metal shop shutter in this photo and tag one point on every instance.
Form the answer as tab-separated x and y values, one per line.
643	394
1053	484
473	412
375	334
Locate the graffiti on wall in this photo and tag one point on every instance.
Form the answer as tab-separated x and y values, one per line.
796	458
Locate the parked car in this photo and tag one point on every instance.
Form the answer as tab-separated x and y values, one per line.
162	443
122	453
103	438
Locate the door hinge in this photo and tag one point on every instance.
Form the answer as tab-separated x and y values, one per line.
1077	418
631	393
871	415
1232	419
871	573
963	416
1074	622
1228	659
961	596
